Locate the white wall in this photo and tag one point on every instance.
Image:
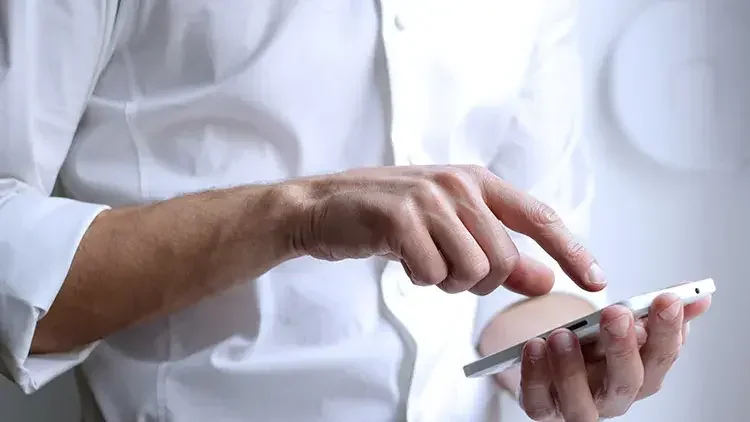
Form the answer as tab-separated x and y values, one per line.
654	225
657	225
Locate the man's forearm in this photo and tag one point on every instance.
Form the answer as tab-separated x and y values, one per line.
527	319
138	263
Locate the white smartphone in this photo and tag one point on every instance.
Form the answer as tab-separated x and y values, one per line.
587	328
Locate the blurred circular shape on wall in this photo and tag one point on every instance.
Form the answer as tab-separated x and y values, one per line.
680	84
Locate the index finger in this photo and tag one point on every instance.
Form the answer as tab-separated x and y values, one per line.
525	214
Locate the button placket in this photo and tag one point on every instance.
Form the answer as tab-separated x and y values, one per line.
398	292
397	41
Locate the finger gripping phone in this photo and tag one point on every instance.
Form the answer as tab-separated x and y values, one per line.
587	328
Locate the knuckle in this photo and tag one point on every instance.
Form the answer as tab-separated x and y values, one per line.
623	353
648	392
475	269
626	391
504	266
474	169
569	371
448	176
542	215
480	267
426	192
533	404
575	250
480	172
433	274
667	359
455	180
510	261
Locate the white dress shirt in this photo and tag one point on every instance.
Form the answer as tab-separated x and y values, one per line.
128	102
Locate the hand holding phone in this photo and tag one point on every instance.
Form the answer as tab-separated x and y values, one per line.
587	328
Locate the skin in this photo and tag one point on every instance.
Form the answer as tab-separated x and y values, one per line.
445	224
601	380
138	263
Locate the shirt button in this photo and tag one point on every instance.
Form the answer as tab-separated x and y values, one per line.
399	22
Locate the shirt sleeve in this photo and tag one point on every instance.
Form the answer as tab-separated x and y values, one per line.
50	55
544	152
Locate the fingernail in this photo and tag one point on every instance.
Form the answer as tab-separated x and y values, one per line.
562	342
596	275
671	312
535	349
619	326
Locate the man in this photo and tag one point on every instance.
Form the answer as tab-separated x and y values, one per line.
281	210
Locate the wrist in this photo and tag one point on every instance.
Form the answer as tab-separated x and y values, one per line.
288	206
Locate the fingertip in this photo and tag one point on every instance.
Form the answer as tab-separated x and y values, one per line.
534	360
669	297
596	279
704	303
666	309
696	309
542	276
535	349
612	312
530	278
590	278
562	341
663	301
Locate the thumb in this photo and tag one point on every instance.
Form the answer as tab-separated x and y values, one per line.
530	278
